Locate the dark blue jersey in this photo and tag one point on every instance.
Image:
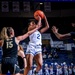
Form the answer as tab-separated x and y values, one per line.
10	48
72	35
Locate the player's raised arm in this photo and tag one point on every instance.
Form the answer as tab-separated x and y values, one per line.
22	37
46	26
60	36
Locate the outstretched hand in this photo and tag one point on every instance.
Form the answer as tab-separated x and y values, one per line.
54	29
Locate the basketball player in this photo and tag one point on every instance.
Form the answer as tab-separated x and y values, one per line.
63	36
9	45
21	59
34	49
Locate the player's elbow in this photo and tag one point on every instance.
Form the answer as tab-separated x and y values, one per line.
47	26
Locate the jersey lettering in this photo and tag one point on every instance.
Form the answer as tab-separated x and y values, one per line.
38	36
9	44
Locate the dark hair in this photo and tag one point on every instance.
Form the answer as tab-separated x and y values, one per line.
32	20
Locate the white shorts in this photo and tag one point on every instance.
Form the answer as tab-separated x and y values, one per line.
34	50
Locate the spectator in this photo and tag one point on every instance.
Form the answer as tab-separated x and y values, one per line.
44	49
74	70
51	70
65	70
46	69
49	56
70	70
44	56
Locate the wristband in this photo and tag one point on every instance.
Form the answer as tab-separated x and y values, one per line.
24	57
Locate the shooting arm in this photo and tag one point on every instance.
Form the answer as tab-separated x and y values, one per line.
46	26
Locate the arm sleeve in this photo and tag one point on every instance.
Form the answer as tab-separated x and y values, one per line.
72	34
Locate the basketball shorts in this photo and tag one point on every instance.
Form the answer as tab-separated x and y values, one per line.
9	64
34	50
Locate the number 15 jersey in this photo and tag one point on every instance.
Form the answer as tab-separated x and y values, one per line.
9	48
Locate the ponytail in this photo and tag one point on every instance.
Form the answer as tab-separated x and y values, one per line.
3	34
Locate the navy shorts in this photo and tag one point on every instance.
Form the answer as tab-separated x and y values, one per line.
9	64
21	71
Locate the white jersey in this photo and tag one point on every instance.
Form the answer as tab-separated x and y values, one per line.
34	46
35	38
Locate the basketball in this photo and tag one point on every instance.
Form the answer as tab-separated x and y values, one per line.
40	13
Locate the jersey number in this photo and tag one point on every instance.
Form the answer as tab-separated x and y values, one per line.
38	36
9	44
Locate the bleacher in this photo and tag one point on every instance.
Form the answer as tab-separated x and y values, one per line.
64	56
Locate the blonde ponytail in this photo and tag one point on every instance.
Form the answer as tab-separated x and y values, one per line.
3	34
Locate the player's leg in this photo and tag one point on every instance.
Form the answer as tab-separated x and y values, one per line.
4	66
14	68
29	58
39	61
22	72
